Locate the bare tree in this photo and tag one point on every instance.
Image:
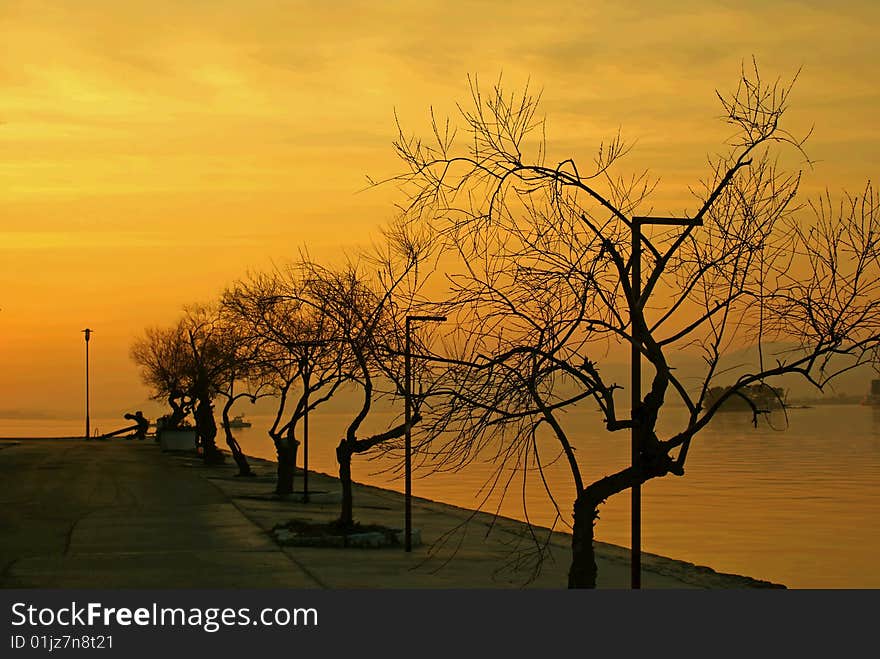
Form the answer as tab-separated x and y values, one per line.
191	363
366	302
243	368
543	286
163	355
211	357
295	346
358	313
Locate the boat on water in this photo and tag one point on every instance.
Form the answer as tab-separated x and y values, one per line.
239	422
764	397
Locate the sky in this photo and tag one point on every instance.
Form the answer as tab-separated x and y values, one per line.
152	152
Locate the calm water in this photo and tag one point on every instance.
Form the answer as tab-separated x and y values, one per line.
798	505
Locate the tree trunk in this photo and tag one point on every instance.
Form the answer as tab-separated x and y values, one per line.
178	413
343	457
244	469
206	428
583	570
654	463
286	448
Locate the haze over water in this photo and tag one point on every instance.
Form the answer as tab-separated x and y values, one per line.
797	506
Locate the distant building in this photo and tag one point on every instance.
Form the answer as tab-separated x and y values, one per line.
763	396
873	397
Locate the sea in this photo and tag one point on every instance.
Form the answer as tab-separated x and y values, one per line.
795	500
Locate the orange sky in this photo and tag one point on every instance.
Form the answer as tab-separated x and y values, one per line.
153	151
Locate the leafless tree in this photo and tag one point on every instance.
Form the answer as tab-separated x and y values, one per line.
542	287
162	354
295	346
217	354
200	357
366	302
204	365
240	379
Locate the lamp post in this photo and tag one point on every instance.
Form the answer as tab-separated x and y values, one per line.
307	371
407	461
636	359
88	334
306	367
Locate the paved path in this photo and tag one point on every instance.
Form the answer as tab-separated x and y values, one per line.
122	514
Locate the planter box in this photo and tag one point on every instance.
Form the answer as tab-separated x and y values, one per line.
177	440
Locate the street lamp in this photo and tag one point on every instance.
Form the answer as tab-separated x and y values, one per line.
307	372
636	273
407	463
88	335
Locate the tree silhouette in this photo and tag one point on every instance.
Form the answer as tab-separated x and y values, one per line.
541	289
190	364
364	304
295	346
163	354
243	367
362	313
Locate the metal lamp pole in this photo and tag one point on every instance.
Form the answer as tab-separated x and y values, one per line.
407	462
307	373
635	304
88	335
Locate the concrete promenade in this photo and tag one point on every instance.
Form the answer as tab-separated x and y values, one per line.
122	514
